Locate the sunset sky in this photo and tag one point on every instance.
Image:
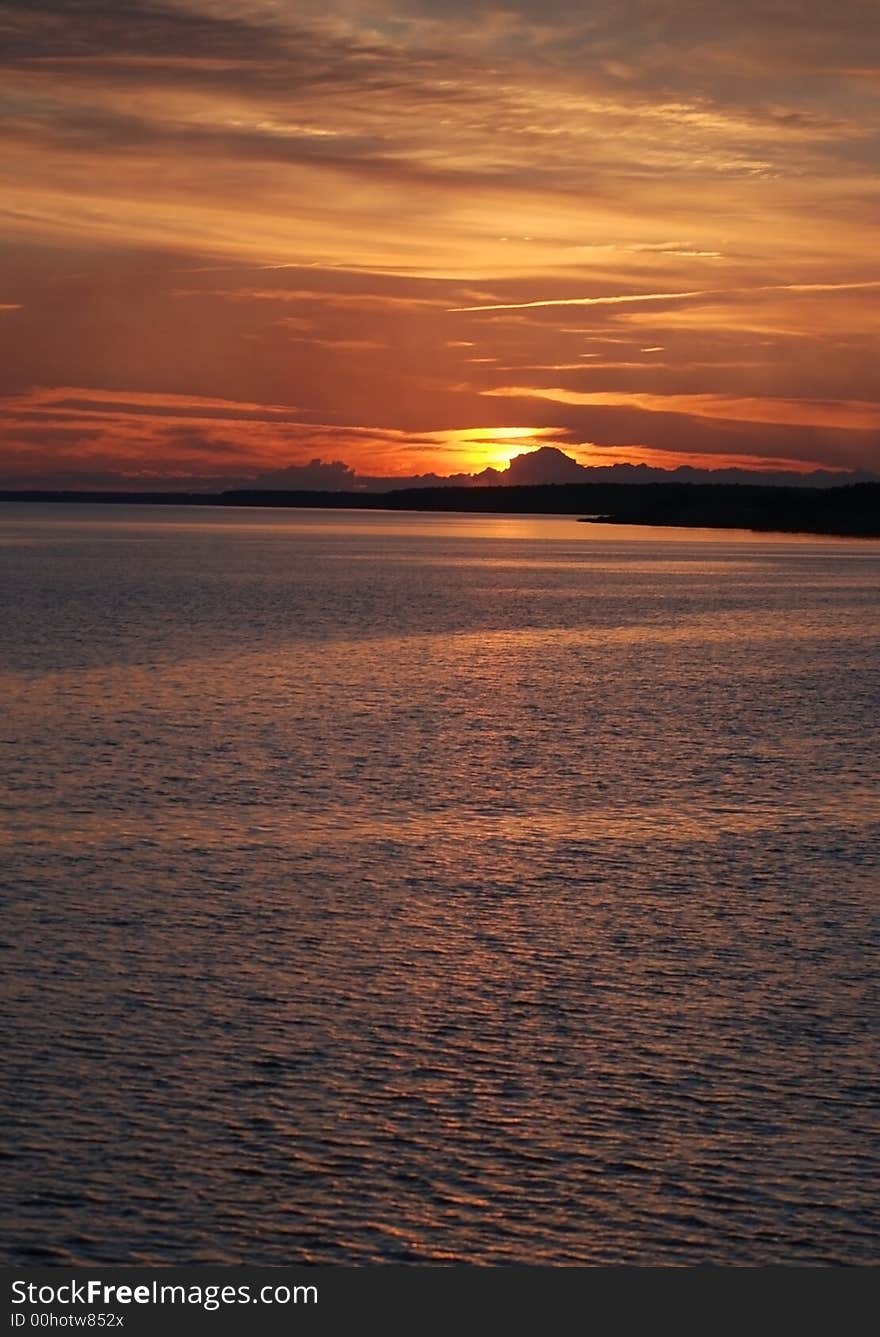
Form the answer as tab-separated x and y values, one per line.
424	235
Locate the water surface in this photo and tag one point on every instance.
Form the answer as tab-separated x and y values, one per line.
389	887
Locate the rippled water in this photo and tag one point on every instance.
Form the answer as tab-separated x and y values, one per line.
387	887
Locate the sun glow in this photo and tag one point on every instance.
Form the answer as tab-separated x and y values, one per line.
479	448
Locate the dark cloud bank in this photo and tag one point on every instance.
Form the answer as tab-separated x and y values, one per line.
537	467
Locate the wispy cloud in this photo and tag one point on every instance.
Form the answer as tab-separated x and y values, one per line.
620	299
368	209
612	300
350	301
857	415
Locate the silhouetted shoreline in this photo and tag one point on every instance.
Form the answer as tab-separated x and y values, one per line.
851	511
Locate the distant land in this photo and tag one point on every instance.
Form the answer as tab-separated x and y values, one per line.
851	511
549	482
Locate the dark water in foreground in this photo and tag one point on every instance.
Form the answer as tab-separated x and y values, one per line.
437	888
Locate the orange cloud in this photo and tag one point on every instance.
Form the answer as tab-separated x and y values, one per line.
847	414
296	224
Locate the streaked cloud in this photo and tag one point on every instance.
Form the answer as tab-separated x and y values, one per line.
361	213
613	300
620	299
846	414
